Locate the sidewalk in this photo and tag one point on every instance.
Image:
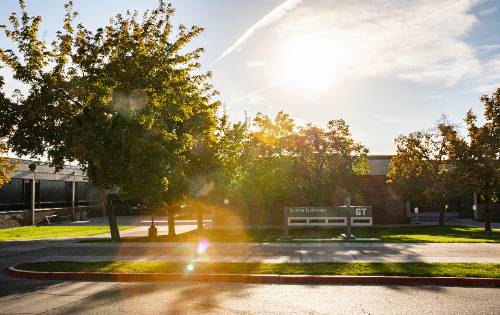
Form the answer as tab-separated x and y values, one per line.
256	252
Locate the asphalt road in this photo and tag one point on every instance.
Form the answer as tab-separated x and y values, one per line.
233	298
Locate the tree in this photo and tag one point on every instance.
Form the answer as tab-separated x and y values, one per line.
267	178
477	158
420	170
125	102
7	167
327	163
280	164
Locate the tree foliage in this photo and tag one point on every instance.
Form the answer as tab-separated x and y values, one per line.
7	167
477	157
421	170
126	101
272	162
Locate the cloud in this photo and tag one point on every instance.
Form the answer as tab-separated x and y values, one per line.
386	119
488	48
432	97
490	76
418	41
256	99
256	63
487	11
260	90
275	14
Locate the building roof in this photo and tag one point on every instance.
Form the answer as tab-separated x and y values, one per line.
45	172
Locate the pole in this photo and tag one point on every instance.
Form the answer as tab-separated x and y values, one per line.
73	193
33	197
285	223
475	213
348	209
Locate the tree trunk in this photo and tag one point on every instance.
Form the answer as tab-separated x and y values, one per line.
110	211
442	212
171	223
487	216
199	219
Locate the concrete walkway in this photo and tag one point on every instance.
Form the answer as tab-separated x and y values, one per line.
252	252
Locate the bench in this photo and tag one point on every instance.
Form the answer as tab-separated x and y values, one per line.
55	218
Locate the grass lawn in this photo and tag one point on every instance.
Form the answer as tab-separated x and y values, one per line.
388	269
411	234
55	231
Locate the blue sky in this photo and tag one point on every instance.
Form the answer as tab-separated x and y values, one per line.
385	66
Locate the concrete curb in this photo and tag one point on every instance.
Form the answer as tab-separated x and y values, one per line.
254	278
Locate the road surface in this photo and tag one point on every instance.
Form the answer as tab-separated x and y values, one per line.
233	298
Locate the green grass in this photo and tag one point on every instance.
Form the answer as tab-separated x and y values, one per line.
411	234
387	269
37	232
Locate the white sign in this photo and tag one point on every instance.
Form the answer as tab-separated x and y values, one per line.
416	209
360	211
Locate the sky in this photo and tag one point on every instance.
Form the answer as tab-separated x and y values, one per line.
387	67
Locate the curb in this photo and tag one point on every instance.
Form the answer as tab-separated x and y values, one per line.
254	278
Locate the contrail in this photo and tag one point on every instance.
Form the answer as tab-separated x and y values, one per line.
269	18
267	87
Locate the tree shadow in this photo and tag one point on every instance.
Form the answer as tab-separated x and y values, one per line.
154	297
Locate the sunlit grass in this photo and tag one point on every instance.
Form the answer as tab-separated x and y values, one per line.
388	269
417	234
40	232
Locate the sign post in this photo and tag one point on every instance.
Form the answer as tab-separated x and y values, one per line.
348	210
285	224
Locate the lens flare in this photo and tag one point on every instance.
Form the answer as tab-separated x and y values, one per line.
190	267
202	246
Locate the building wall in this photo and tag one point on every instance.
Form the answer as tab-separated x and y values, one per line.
53	194
388	207
12	219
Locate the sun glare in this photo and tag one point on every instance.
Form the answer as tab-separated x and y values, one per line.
309	62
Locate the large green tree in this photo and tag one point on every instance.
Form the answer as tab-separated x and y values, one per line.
420	170
273	163
477	157
126	101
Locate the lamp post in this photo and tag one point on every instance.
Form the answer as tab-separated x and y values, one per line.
33	197
73	194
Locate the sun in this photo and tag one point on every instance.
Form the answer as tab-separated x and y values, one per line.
309	62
